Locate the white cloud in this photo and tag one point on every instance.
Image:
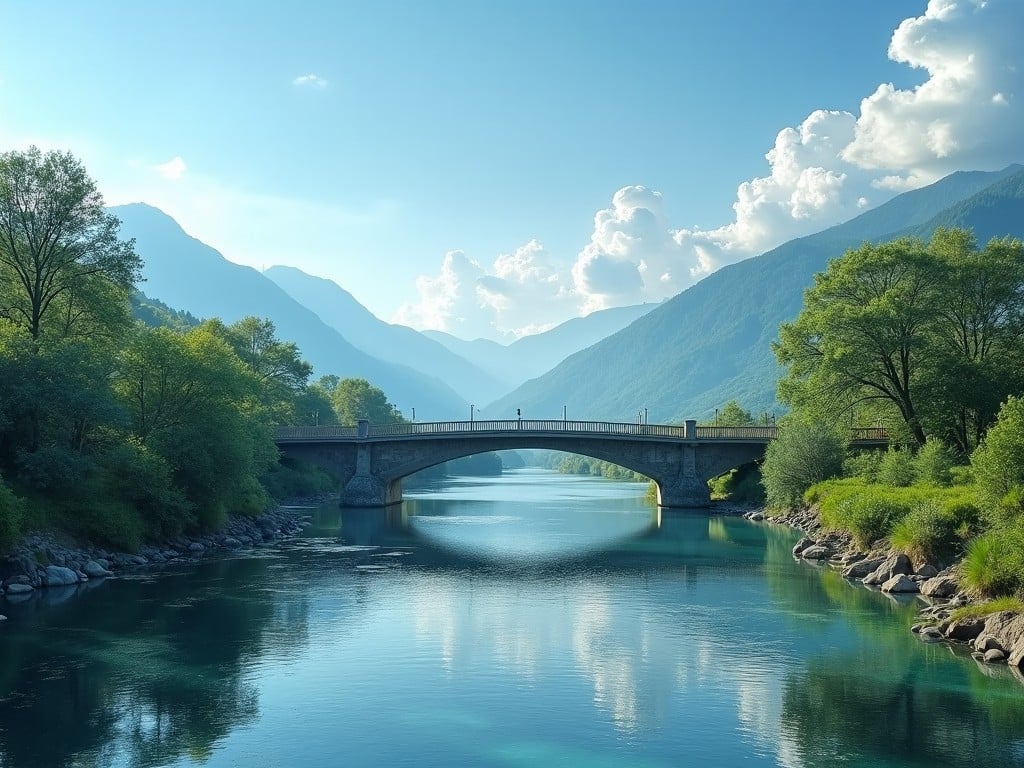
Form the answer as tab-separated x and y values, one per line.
310	81
519	293
173	169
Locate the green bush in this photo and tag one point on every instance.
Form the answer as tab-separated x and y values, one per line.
803	454
293	478
871	516
935	529
897	468
934	463
12	512
111	522
994	563
998	463
863	465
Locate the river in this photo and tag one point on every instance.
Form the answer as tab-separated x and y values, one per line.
529	620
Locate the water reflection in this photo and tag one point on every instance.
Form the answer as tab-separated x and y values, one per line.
588	630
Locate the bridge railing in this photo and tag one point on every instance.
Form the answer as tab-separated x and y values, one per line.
526	425
443	428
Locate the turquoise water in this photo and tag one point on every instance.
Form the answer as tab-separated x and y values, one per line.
528	620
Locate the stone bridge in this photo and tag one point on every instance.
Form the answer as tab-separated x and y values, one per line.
371	460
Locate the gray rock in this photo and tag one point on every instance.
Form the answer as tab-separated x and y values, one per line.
19	589
196	548
895	564
231	542
862	567
59	576
94	570
816	552
900	583
994	656
964	629
930	634
939	586
756	517
927	571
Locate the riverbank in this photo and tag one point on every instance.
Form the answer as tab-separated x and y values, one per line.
43	560
994	638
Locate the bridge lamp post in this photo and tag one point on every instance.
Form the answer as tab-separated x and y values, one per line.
316	418
414	413
716	417
645	416
471	409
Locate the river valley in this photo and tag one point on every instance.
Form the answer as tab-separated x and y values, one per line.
529	620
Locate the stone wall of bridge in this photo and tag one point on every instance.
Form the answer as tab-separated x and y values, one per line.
370	471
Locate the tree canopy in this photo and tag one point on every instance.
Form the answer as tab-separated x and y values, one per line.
60	256
923	333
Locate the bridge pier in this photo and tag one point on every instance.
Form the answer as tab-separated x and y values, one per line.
686	488
365	489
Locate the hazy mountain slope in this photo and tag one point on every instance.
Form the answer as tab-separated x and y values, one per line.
711	343
189	275
533	355
393	343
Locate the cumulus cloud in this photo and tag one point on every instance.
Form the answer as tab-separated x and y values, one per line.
173	169
519	293
967	114
310	81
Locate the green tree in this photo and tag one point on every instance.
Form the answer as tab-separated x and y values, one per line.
733	415
355	399
60	256
861	332
277	365
195	403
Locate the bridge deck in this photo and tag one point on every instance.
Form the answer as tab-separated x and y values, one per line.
534	427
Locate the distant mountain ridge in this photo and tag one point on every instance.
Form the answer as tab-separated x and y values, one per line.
392	343
711	343
531	356
190	276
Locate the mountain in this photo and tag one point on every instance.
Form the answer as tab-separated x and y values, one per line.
712	342
392	343
189	275
533	355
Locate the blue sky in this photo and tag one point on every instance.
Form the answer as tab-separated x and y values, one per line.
492	168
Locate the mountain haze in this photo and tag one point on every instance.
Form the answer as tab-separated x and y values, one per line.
533	355
393	343
190	276
712	342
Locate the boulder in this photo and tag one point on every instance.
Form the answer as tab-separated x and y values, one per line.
930	634
986	641
994	656
862	568
19	589
59	576
816	552
964	629
900	583
231	542
939	586
803	544
927	571
196	548
895	564
94	570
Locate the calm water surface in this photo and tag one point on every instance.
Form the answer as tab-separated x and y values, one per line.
528	620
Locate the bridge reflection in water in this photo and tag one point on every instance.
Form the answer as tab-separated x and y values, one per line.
371	460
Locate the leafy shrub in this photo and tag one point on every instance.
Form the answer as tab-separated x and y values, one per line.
740	485
141	478
51	468
897	468
934	463
998	463
994	563
961	474
107	521
863	465
934	531
803	454
294	478
871	516
12	511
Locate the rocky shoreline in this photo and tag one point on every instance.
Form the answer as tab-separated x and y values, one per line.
997	638
43	560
